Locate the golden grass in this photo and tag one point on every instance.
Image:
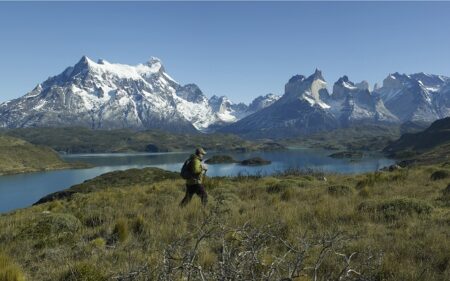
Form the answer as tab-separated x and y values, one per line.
402	215
9	271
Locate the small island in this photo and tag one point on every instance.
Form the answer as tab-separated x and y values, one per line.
226	159
347	154
220	159
255	161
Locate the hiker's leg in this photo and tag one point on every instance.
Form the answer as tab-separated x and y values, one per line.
187	197
203	195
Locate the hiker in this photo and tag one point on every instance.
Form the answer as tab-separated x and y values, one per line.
193	171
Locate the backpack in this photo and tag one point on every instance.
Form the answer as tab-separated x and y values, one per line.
186	170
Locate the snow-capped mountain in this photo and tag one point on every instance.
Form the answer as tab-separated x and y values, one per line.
106	95
103	95
262	102
307	106
416	97
353	103
301	110
227	111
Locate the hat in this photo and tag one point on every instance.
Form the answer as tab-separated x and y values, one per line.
200	150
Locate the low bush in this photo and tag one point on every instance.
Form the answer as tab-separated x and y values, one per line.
370	180
393	209
48	229
446	191
94	219
83	272
440	175
339	190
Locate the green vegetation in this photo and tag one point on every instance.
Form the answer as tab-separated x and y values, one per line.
298	225
19	156
220	159
85	140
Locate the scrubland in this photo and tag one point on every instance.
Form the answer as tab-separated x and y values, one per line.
298	225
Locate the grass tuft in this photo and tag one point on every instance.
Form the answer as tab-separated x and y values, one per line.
9	271
121	231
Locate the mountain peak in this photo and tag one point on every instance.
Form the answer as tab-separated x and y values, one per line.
317	75
296	78
153	61
343	79
85	60
155	64
81	66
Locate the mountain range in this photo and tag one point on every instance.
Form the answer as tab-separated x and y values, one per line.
307	106
104	95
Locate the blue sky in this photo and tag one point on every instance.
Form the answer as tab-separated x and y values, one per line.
238	49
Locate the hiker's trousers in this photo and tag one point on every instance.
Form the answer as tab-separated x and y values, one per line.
192	189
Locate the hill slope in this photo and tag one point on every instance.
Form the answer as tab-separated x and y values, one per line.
430	145
19	156
283	226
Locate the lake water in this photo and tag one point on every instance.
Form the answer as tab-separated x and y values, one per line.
19	191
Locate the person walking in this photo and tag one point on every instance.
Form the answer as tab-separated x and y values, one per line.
193	171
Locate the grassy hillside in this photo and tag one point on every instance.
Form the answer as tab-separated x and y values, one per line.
84	140
298	226
428	146
19	156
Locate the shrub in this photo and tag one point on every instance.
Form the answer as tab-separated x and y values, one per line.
440	175
446	195
370	180
277	187
287	194
94	220
120	231
207	258
9	271
339	190
55	205
393	209
138	224
50	228
83	272
98	243
364	192
446	191
212	183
